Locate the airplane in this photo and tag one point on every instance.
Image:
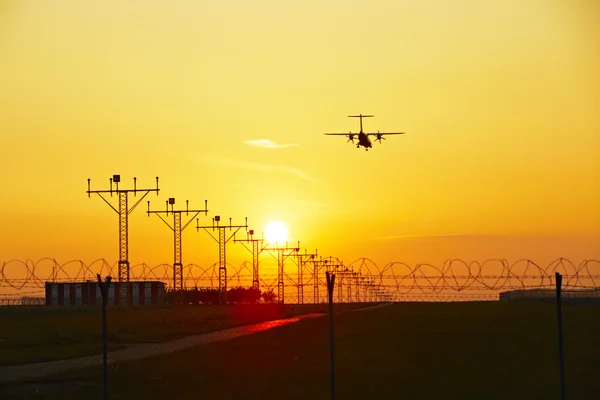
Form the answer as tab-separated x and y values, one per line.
363	138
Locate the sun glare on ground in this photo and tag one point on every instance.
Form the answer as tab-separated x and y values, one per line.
276	232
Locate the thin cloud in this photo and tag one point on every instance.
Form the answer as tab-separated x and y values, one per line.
268	144
269	168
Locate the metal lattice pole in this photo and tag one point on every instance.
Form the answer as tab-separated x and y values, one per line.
123	211
316	282
177	264
349	294
282	254
222	267
222	241
303	260
300	287
318	264
340	288
123	249
178	228
255	277
280	286
256	250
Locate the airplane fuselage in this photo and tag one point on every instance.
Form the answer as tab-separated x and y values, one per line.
363	140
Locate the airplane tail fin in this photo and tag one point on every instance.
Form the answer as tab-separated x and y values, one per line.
361	117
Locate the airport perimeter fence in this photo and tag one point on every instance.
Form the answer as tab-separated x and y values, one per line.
243	343
303	282
11	301
180	334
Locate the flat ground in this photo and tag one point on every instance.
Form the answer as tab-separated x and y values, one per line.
404	351
37	334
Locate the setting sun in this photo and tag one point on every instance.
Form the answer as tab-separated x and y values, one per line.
276	232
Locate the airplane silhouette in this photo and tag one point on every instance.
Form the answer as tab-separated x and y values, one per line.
363	138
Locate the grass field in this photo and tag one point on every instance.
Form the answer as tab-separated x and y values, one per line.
36	334
487	350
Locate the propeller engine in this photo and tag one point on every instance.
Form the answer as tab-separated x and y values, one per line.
350	138
379	137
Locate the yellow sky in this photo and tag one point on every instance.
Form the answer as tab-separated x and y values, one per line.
500	102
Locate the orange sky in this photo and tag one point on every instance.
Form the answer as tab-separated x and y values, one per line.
499	101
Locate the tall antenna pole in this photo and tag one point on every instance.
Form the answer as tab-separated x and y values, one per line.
123	211
303	259
177	229
257	248
223	239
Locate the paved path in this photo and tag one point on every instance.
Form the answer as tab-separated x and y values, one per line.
138	351
373	307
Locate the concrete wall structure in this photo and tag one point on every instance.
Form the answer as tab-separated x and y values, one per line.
88	293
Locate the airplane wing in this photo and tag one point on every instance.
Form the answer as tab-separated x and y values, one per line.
385	133
350	136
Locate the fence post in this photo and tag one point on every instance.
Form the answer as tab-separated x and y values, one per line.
330	283
104	292
561	361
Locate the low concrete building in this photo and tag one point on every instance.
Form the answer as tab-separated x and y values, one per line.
88	293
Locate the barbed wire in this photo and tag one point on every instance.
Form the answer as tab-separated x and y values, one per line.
22	301
492	274
361	279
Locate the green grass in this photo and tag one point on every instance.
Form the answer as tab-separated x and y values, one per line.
404	351
36	334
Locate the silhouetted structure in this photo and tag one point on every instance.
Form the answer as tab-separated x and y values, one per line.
123	212
223	239
257	248
282	254
88	293
178	229
207	296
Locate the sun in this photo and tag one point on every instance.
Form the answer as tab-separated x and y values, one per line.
276	232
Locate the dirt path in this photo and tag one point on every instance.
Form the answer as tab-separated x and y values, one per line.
138	351
372	307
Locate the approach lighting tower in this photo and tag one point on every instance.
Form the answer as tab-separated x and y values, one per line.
123	211
222	240
303	259
337	267
361	287
257	248
319	264
369	290
341	272
177	229
283	252
351	276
